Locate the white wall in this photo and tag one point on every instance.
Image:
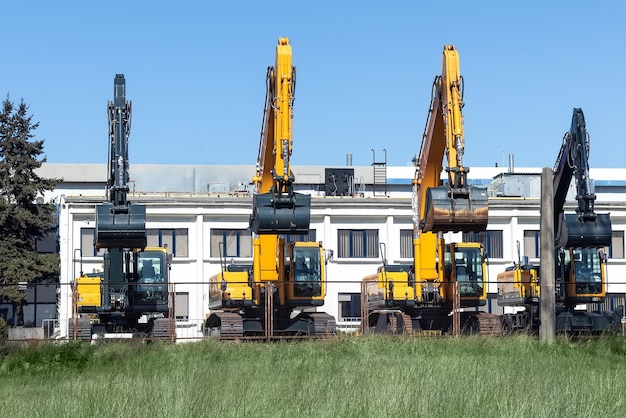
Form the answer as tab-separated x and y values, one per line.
199	216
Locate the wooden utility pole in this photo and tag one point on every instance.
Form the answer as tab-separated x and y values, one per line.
547	310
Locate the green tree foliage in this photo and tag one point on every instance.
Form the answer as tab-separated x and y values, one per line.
23	221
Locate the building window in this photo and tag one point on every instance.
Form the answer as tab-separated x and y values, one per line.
176	240
349	306
231	243
357	243
616	250
491	241
48	243
406	243
532	247
87	246
310	237
181	304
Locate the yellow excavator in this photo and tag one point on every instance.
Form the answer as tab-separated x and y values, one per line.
408	298
278	294
580	238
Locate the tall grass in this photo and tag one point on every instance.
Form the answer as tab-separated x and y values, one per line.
349	377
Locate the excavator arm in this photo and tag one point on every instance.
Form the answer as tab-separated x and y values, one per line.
585	228
456	206
277	209
119	223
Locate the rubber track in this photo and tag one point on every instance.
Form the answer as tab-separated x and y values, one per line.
325	324
395	328
408	324
231	325
391	325
161	329
490	324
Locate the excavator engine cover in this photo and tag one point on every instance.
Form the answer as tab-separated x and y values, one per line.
125	229
589	233
280	215
447	211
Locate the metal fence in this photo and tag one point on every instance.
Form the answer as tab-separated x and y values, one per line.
52	319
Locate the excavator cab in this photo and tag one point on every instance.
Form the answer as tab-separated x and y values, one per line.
582	272
307	271
152	279
286	215
449	209
464	263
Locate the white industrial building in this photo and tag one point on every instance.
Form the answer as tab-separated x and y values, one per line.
354	209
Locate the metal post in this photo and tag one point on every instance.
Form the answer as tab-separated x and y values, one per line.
74	309
547	310
364	309
269	310
171	309
624	316
456	310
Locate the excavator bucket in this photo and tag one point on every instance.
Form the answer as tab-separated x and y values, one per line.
446	211
584	233
281	215
124	229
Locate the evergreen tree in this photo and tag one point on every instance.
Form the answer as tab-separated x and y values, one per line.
23	221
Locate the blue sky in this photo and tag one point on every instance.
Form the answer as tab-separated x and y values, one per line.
195	72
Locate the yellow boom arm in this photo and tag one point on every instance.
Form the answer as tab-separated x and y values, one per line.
277	209
456	206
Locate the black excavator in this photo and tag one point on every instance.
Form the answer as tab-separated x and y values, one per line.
131	297
579	257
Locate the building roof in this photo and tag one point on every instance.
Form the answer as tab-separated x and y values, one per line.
224	179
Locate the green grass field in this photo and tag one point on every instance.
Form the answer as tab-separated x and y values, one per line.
347	377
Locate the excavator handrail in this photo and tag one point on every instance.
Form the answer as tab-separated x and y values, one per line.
260	165
431	111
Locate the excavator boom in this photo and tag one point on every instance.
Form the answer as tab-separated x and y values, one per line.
276	208
119	223
585	228
456	206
